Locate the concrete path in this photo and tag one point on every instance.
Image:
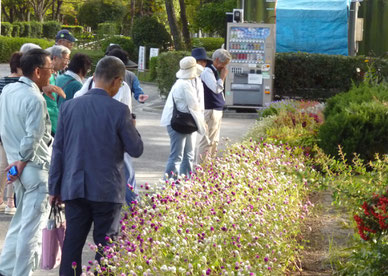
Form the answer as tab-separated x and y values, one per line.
150	166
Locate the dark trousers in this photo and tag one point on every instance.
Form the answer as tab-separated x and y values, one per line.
80	213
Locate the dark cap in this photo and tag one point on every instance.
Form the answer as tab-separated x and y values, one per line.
199	53
65	34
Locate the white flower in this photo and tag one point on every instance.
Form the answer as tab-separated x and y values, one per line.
164	268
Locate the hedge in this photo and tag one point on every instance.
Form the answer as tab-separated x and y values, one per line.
26	29
15	30
297	75
209	43
51	28
74	29
36	29
6	29
8	45
108	29
21	28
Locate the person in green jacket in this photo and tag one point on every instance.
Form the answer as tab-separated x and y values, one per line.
60	56
72	80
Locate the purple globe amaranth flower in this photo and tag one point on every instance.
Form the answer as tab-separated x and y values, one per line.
74	265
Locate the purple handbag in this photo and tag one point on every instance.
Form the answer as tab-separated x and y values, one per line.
53	236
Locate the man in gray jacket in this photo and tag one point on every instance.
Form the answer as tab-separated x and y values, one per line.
87	165
25	132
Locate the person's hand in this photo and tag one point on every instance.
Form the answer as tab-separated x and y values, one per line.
143	98
224	73
50	89
19	166
55	200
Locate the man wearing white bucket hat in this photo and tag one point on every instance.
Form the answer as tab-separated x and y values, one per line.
185	95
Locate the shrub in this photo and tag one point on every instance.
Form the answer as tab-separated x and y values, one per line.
50	29
8	45
147	31
36	29
74	29
26	29
15	30
358	121
317	77
153	68
21	27
167	66
107	29
125	42
209	43
6	29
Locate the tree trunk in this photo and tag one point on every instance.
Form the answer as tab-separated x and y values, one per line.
58	11
185	25
6	15
133	9
53	11
173	24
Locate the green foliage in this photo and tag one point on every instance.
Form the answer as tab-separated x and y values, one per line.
51	28
107	29
147	31
74	29
36	29
358	121
167	66
93	12
26	31
209	43
125	42
21	28
8	45
317	77
153	68
211	16
6	29
15	30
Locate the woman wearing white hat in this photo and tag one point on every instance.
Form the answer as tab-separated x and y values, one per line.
184	93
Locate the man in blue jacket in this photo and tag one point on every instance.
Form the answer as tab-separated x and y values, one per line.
86	172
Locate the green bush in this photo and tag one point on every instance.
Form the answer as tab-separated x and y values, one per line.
125	42
8	45
50	29
209	43
107	29
15	30
167	66
358	121
21	28
147	31
26	29
153	67
6	29
36	29
74	29
317	77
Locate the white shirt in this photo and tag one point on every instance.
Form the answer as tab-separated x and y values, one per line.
207	76
123	95
186	93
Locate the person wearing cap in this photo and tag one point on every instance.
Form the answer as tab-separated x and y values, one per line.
184	94
213	78
64	37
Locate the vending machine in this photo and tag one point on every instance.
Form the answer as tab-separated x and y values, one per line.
251	71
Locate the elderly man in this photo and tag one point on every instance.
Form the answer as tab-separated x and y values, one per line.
213	78
60	56
87	165
25	134
65	38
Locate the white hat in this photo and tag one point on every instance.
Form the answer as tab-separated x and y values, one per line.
189	68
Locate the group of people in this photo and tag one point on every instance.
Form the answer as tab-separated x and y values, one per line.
79	152
75	152
198	91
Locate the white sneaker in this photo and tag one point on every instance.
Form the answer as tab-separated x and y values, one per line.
3	206
10	210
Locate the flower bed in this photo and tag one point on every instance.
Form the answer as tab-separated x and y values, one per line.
240	214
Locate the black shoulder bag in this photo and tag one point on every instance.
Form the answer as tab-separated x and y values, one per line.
182	122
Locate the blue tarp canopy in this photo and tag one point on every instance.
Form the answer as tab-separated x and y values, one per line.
312	26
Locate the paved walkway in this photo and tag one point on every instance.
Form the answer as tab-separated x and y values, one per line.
150	166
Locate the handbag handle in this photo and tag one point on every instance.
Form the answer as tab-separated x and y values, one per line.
56	210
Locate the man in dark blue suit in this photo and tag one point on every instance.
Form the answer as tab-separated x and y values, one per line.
86	170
